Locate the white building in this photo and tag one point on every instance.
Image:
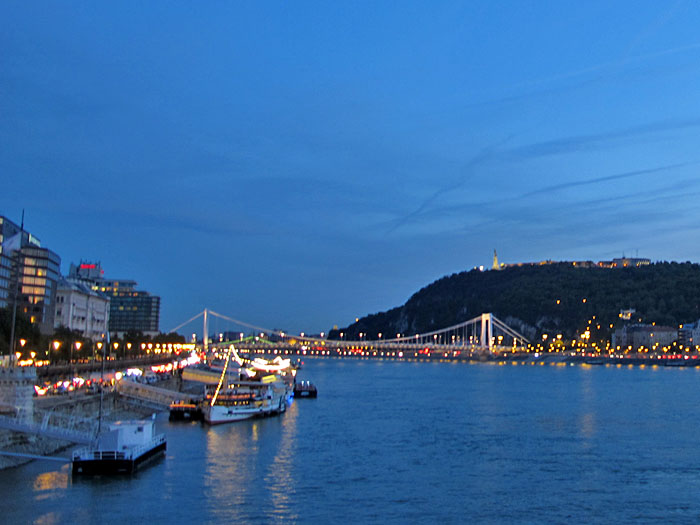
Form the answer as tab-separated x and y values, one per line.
78	307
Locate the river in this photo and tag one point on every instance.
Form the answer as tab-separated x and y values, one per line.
408	442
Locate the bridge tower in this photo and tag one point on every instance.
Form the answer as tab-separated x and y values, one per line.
205	338
486	331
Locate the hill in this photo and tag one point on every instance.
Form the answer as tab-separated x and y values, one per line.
555	298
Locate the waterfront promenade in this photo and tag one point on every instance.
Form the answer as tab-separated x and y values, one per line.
441	353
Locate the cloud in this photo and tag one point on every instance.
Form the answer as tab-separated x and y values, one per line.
599	180
593	141
522	213
491	154
576	79
482	157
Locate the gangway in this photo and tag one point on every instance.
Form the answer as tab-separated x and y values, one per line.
53	425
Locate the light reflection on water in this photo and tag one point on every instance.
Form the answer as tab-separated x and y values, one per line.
57	479
414	442
230	468
279	477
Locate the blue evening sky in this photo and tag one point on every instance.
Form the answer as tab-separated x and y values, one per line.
299	164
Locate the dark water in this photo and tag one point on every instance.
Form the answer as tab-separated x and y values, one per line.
397	442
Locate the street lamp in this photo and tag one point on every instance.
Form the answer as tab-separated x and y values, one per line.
56	345
78	344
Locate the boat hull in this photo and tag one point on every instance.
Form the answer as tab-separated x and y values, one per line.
218	414
105	466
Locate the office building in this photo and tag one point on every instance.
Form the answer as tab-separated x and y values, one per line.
38	270
130	310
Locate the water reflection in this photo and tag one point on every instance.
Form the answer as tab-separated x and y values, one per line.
229	471
51	480
279	478
51	518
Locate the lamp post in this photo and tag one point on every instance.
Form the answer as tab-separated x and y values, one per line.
56	345
22	342
78	344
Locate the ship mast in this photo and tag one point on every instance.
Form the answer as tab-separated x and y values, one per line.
102	386
17	255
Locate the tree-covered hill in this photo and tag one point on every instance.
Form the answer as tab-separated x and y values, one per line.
558	297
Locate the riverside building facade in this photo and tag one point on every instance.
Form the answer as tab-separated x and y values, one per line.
79	307
130	309
37	269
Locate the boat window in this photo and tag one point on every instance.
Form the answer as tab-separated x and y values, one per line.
139	429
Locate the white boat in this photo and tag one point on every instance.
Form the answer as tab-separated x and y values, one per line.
244	400
235	398
125	447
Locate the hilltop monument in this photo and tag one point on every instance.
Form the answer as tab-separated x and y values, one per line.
495	266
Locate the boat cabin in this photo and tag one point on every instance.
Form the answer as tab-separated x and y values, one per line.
126	434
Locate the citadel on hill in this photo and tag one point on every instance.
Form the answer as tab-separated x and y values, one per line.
621	262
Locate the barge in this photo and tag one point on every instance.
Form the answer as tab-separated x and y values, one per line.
124	448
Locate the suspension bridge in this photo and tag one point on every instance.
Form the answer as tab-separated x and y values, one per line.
484	334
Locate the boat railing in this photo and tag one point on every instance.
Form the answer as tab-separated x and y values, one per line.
157	440
99	455
87	453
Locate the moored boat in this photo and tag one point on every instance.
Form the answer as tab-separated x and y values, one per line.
241	400
182	411
126	446
305	389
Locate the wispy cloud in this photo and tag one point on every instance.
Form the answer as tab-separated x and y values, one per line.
565	145
600	180
597	140
521	210
468	170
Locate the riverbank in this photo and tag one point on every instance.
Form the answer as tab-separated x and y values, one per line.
80	406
